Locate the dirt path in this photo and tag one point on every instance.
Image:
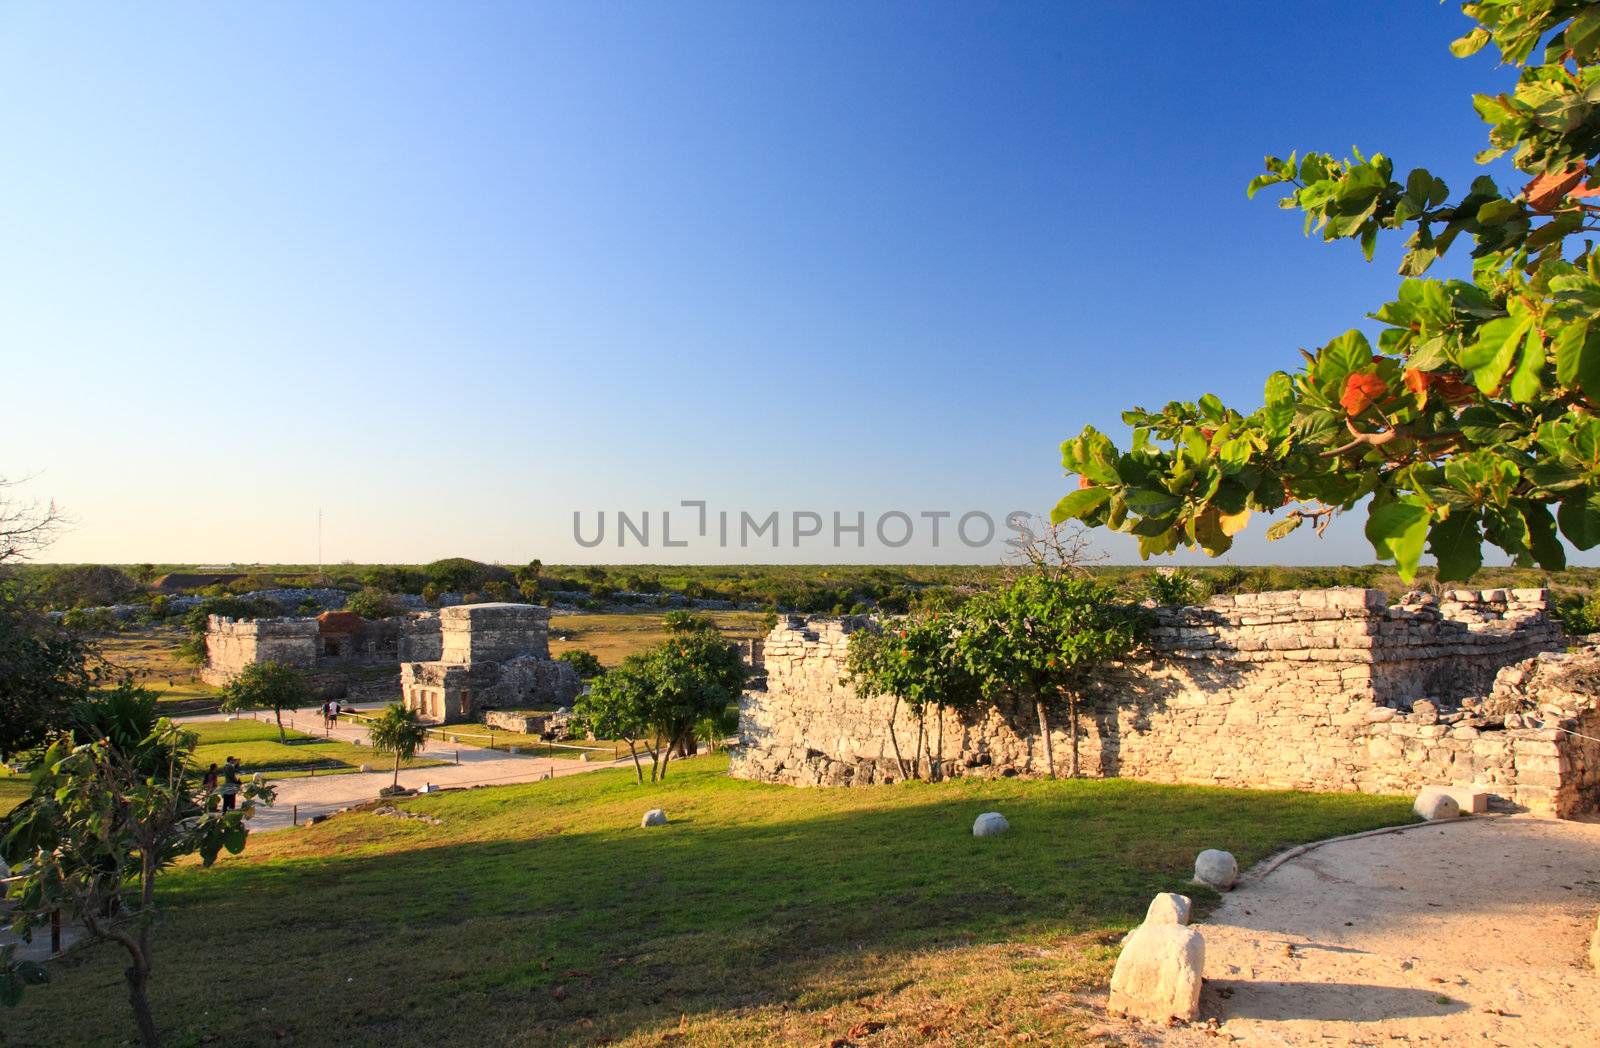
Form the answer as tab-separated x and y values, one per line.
304	797
1473	933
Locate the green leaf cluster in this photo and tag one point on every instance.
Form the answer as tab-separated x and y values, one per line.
1472	421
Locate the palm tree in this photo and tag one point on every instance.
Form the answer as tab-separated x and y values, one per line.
396	730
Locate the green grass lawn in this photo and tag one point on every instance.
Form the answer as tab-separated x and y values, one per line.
13	788
543	914
256	745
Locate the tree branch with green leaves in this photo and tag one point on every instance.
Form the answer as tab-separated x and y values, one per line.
1473	419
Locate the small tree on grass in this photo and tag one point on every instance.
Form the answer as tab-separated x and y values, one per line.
693	676
397	731
616	707
665	693
1040	638
919	662
104	818
268	686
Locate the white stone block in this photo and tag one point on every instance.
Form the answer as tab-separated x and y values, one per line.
1158	974
1168	908
1434	803
1216	869
990	824
654	817
1470	800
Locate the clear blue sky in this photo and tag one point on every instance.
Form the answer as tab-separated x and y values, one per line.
454	271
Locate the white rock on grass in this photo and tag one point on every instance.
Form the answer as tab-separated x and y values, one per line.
1158	974
654	817
1216	869
1433	803
1168	908
990	824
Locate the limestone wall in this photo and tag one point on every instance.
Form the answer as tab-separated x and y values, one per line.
1325	689
233	644
492	632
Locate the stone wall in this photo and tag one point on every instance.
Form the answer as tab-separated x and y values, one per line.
233	644
317	646
1322	690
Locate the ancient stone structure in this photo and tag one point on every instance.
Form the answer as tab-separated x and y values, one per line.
1321	690
490	656
332	641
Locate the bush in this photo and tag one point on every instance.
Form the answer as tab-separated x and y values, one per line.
95	620
82	585
371	604
1579	614
584	662
1174	587
686	622
460	575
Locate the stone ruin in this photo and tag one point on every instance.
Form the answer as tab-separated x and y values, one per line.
1315	690
489	657
328	643
450	665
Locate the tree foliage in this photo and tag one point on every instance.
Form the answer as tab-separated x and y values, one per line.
1473	418
43	674
1041	637
397	732
663	694
107	812
585	663
918	661
372	603
268	686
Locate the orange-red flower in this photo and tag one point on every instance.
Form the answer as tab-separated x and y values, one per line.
1361	390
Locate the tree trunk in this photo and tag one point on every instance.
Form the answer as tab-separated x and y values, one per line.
277	711
938	761
638	769
396	783
894	740
1044	733
138	976
922	727
1072	711
138	971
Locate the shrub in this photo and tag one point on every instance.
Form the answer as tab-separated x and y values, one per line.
584	662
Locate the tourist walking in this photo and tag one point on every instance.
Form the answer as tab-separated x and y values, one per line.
208	783
230	783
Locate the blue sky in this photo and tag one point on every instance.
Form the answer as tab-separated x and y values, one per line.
452	272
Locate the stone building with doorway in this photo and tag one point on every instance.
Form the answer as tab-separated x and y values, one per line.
490	657
327	644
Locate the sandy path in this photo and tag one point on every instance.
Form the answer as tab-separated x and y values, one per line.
1474	933
323	794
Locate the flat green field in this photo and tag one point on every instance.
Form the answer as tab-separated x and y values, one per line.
256	745
13	788
543	914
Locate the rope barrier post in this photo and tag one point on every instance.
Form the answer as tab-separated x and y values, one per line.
458	756
294	815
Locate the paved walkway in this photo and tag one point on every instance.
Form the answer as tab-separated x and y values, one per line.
306	796
1471	933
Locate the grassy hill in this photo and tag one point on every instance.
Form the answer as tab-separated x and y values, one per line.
543	914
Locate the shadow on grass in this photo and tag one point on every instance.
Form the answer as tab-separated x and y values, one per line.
543	913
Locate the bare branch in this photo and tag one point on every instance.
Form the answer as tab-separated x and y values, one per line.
1052	550
26	525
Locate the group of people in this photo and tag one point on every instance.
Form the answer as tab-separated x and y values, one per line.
330	714
224	781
